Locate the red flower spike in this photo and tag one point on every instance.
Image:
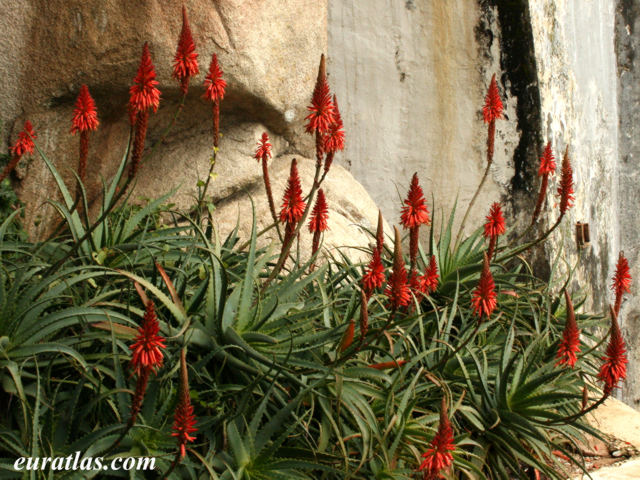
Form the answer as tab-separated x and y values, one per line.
143	93
570	345
380	233
397	289
374	275
147	353
565	190
319	214
24	144
138	396
495	222
615	361
621	281
292	204
213	82
493	107
185	62
484	297
364	316
85	115
430	278
263	151
322	114
414	211
547	162
334	139
438	457
415	284
184	419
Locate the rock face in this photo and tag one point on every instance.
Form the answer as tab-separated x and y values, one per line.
411	78
55	46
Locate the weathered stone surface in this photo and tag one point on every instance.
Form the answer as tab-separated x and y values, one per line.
411	78
618	419
350	209
629	470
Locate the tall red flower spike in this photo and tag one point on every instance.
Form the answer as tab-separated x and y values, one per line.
484	297
364	315
318	221
414	214
491	112
263	153
397	289
322	110
615	361
380	233
184	419
374	275
494	227
493	107
214	92
547	167
85	118
143	93
148	345
438	457
138	396
143	96
430	278
185	63
570	345
334	139
23	145
565	190
85	115
292	204
621	281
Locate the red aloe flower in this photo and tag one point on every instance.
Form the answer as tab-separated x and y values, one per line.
495	222
615	361
138	396
143	93
416	286
570	345
380	233
494	227
147	353
397	289
322	114
185	63
430	278
547	167
484	297
493	107
334	139
319	214
565	190
214	92
374	275
318	221
263	151
364	315
85	115
547	162
491	112
438	457
184	419
414	214
621	281
23	145
85	118
213	82
292	204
